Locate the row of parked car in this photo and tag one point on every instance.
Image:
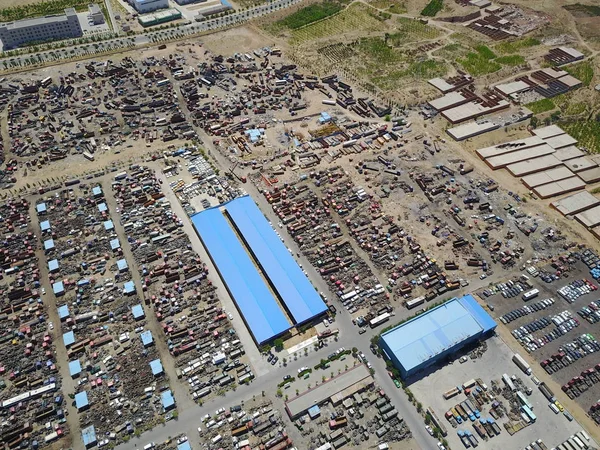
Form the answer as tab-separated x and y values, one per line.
576	289
591	313
526	309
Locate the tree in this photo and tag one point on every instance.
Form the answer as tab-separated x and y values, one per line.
534	122
278	344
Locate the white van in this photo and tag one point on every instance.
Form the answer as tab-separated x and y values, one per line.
216	439
554	408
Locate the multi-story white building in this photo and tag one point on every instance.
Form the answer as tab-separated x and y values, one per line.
146	6
39	29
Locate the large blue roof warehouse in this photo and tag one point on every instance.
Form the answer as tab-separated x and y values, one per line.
295	290
435	334
254	299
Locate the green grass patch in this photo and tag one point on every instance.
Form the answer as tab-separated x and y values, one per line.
511	60
541	106
583	10
377	49
587	132
41	9
411	30
432	8
515	46
310	14
478	66
485	52
583	71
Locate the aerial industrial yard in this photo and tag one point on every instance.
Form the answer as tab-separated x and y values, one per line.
300	225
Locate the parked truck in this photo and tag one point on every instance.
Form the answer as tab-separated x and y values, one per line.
519	361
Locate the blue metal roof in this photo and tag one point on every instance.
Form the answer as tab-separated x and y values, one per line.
88	435
40	208
122	264
184	446
435	331
63	312
97	190
156	367
115	244
138	311
129	287
167	400
147	338
102	207
48	244
300	297
45	225
81	400
108	225
261	312
74	368
58	288
69	338
53	265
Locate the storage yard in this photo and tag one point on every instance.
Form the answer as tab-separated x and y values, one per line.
202	240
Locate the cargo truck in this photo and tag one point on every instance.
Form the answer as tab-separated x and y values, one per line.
519	361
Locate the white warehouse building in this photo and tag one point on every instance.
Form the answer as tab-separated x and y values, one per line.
146	6
39	29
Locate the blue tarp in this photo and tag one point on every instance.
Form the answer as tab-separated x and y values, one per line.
74	368
261	312
88	435
138	312
81	400
69	338
298	294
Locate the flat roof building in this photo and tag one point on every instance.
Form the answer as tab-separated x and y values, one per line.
471	129
561	187
138	312
576	203
88	435
68	338
156	367
81	401
167	400
322	393
40	29
147	339
435	334
589	218
74	368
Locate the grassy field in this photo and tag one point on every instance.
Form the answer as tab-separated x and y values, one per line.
409	30
584	10
480	62
511	60
515	46
583	71
24	11
587	132
310	14
432	8
541	106
393	6
357	17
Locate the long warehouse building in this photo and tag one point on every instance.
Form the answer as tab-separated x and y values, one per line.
256	303
435	334
239	248
299	297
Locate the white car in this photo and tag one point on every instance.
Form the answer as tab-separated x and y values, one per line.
230	316
429	430
219	411
50	326
441	446
302	369
43	291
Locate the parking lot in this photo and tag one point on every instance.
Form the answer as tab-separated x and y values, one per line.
494	400
556	327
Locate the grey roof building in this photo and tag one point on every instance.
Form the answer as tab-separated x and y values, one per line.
39	29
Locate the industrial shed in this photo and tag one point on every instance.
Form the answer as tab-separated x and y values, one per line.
591	175
549	176
523	168
580	164
263	316
299	297
548	132
436	334
576	203
468	130
589	218
561	187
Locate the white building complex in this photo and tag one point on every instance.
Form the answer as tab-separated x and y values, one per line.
39	29
146	6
